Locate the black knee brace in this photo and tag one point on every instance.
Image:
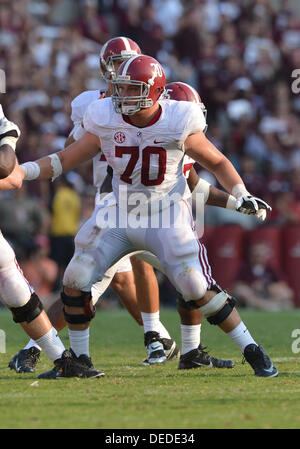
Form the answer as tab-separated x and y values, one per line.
223	313
85	301
29	311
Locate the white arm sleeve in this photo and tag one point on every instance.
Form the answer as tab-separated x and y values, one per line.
203	188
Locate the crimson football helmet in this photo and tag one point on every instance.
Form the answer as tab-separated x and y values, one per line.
184	92
116	49
147	75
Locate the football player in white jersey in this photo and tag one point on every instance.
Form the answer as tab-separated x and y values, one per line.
125	283
15	290
191	319
112	54
144	139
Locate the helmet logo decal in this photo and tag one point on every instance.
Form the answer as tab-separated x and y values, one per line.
156	72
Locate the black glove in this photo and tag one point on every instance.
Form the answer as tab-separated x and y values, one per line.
251	205
10	131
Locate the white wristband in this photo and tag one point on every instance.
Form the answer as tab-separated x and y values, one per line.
11	141
201	187
231	202
31	170
56	166
239	190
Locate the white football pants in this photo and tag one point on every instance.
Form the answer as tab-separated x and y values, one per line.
15	290
98	250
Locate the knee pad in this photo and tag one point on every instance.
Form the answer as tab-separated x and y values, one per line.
80	270
85	301
219	307
29	311
190	283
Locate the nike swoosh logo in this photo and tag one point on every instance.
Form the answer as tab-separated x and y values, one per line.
202	364
155	141
269	370
156	346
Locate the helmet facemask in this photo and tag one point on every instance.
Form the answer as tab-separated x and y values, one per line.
129	105
107	67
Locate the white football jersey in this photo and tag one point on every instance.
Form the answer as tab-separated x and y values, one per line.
146	160
79	106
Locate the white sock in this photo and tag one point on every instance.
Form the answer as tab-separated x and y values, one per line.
241	336
163	331
80	341
32	344
190	337
51	344
151	322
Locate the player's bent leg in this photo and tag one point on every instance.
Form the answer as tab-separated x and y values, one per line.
56	315
146	286
123	285
78	311
36	324
219	309
26	309
155	332
26	359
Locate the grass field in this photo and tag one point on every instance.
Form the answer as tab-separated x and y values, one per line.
135	397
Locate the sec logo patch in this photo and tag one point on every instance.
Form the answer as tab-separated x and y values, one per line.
119	137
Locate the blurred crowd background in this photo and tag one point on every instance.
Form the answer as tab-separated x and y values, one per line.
239	54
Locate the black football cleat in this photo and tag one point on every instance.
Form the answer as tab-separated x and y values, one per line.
197	358
171	351
69	366
85	360
217	363
25	361
155	349
259	360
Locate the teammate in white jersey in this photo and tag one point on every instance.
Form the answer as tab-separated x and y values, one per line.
15	290
151	138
